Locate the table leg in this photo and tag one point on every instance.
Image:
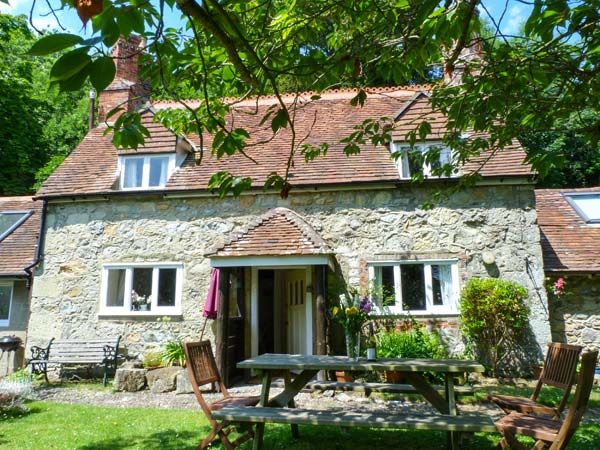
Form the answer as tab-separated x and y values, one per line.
291	404
264	401
453	437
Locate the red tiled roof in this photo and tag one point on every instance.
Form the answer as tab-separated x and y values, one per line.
568	242
279	231
92	167
18	249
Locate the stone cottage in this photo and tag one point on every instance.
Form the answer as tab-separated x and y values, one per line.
569	220
128	228
20	221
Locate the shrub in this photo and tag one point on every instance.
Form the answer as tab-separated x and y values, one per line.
493	318
14	388
414	343
174	354
152	358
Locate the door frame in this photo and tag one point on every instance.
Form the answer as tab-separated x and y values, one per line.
254	306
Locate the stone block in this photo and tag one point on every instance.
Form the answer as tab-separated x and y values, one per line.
163	379
130	380
183	383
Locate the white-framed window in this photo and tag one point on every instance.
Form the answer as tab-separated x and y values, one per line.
146	171
6	295
587	205
141	289
413	160
415	287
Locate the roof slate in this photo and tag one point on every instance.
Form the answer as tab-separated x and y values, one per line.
279	231
92	166
568	243
18	249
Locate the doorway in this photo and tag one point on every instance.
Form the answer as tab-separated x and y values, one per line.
281	318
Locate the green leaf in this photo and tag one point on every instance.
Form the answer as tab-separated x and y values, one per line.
69	64
102	72
280	120
75	82
54	43
110	32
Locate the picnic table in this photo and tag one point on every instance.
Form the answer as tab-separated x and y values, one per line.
298	370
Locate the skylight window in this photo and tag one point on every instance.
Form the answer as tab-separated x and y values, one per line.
10	220
146	171
586	205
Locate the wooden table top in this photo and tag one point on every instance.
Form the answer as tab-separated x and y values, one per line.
273	361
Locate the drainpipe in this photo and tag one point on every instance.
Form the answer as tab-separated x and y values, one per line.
91	118
38	246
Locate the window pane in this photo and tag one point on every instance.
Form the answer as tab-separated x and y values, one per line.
441	278
5	294
589	205
158	170
133	169
415	162
166	287
142	282
8	220
413	286
116	287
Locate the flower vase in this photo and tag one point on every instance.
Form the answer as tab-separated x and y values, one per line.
352	344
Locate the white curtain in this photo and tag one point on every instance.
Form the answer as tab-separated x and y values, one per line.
133	172
446	283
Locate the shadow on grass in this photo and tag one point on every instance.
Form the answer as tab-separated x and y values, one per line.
164	440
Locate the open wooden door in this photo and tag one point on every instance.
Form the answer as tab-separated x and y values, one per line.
295	301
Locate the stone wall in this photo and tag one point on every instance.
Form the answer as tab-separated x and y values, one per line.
358	225
19	313
575	316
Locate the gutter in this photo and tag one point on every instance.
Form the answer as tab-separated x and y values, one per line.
38	245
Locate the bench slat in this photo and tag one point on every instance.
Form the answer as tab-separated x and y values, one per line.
387	388
470	423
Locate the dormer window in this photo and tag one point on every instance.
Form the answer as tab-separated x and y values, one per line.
146	171
586	205
412	161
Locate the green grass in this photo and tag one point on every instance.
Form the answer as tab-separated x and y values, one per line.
84	427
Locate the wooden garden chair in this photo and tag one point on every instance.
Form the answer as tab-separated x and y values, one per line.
558	371
202	369
549	433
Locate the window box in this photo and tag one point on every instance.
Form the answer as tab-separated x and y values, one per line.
415	287
125	285
6	296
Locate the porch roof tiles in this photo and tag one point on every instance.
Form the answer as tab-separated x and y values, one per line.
18	249
569	244
278	232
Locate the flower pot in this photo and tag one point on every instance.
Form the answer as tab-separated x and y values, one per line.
342	376
145	307
537	371
393	377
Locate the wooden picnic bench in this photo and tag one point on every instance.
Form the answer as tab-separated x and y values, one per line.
368	388
76	352
299	371
296	416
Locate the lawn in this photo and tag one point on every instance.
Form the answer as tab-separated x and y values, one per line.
84	427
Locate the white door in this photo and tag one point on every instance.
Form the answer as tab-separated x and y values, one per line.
295	300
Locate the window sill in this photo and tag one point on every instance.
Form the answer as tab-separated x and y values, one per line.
134	314
392	311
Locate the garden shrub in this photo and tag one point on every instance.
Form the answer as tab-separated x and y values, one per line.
14	388
493	319
414	343
152	358
174	354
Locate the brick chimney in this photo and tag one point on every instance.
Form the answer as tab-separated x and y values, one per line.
468	59
126	89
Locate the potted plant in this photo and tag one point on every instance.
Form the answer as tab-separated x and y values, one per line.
139	302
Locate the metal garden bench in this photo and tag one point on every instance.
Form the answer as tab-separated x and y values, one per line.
80	352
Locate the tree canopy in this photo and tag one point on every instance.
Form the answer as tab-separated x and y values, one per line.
532	83
38	128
